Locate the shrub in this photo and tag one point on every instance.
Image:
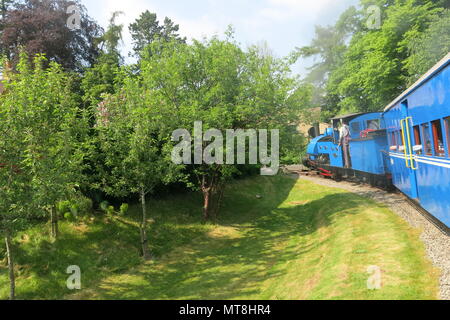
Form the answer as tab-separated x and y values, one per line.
78	206
63	206
85	205
104	206
74	210
110	210
124	209
69	216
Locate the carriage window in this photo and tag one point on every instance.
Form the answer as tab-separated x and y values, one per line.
356	128
393	141
418	148
438	140
373	124
427	139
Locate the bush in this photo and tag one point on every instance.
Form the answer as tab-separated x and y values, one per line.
124	209
78	206
110	210
74	210
85	205
63	207
104	206
69	216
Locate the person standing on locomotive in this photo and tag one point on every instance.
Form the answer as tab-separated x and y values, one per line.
344	141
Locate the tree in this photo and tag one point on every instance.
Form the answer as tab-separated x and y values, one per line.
5	6
365	73
41	27
225	88
429	47
147	29
15	180
103	76
372	72
14	183
14	192
132	138
54	135
329	46
109	42
328	49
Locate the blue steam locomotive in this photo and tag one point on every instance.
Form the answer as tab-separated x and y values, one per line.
406	146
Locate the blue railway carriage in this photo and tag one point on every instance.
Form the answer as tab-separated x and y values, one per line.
418	129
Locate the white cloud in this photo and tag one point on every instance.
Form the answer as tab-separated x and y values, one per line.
284	24
280	10
102	11
199	28
300	5
206	25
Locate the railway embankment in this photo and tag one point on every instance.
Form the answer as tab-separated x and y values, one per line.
437	242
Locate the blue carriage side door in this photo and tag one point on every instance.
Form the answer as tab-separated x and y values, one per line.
408	142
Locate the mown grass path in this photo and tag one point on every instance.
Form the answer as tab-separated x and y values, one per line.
300	241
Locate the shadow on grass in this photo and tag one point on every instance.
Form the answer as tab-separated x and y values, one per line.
236	268
191	263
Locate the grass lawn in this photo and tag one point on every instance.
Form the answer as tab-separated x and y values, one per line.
300	241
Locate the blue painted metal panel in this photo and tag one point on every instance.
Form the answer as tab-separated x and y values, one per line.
433	178
335	153
313	146
367	154
430	183
401	176
317	147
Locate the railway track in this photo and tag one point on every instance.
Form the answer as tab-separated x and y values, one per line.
438	224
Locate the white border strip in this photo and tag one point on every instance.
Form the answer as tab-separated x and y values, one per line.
436	162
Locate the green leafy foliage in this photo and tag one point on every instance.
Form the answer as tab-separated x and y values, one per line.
147	29
216	82
46	153
365	73
111	210
104	206
427	48
124	209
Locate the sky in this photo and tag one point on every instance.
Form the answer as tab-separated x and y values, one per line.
283	24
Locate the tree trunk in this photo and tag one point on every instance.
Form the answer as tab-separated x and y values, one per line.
219	193
54	221
206	203
12	279
144	240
